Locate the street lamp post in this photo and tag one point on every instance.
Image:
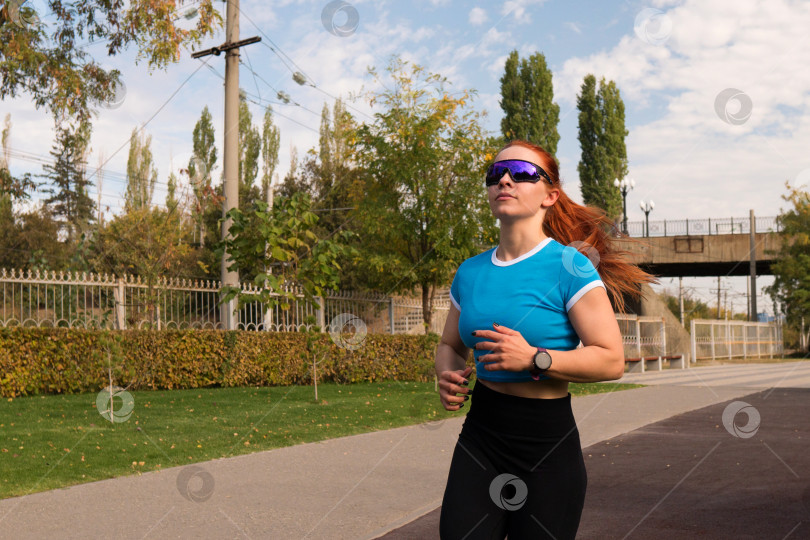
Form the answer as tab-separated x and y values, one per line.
647	207
624	185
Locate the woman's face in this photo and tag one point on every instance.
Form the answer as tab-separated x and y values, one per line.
510	200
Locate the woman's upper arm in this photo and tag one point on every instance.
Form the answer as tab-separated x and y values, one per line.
594	321
450	335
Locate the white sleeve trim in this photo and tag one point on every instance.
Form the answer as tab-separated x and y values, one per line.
582	291
458	306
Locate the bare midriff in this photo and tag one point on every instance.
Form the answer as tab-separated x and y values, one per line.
543	389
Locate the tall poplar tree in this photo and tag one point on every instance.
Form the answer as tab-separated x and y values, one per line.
69	200
200	167
270	144
602	135
250	144
141	172
527	96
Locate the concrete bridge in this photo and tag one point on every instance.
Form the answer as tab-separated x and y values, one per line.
707	247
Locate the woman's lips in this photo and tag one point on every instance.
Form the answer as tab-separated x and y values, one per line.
504	197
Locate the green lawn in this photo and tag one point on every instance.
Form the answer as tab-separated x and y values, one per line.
48	442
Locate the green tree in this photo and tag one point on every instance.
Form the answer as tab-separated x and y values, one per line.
68	194
296	254
250	145
50	61
602	135
331	170
527	96
146	242
11	188
270	144
423	208
31	241
791	270
141	172
171	192
200	167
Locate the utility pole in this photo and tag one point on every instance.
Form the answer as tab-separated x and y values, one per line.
680	297
231	154
753	267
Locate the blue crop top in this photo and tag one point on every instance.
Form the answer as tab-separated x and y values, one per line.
531	294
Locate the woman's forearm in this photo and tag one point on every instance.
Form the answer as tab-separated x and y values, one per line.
447	359
586	364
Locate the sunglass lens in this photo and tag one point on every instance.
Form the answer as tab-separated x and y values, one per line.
520	171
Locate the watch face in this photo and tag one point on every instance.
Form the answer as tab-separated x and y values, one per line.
542	360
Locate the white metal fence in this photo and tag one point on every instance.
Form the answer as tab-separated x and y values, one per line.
642	336
717	339
59	299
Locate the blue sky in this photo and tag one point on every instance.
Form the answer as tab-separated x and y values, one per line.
670	59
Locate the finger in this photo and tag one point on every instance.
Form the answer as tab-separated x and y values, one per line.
503	329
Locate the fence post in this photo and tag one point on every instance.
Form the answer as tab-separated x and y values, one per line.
391	314
710	226
665	227
728	337
120	308
712	330
693	339
759	342
745	341
687	226
663	337
638	337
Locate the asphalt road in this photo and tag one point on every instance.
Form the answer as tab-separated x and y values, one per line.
715	472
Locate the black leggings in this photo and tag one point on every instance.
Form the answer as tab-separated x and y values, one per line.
517	470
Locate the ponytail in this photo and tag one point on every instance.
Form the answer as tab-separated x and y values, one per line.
588	229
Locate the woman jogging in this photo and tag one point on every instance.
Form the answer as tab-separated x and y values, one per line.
524	307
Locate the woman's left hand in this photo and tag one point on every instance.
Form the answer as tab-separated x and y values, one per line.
510	350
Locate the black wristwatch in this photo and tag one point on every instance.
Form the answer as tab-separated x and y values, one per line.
542	361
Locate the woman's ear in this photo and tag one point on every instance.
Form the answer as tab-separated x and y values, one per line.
551	197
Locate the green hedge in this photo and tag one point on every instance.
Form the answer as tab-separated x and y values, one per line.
59	360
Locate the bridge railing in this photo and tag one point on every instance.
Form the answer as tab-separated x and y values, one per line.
686	227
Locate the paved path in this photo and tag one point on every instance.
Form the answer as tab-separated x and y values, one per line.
352	487
695	476
778	375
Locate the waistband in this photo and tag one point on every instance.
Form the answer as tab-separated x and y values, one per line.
530	417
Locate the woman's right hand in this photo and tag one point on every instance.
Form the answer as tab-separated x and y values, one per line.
450	384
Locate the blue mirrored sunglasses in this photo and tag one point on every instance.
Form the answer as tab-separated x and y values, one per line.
520	171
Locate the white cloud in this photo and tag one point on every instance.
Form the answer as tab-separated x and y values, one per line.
477	16
517	8
574	27
687	152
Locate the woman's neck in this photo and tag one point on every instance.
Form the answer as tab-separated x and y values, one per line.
513	246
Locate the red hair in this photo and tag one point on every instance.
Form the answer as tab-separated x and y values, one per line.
568	222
